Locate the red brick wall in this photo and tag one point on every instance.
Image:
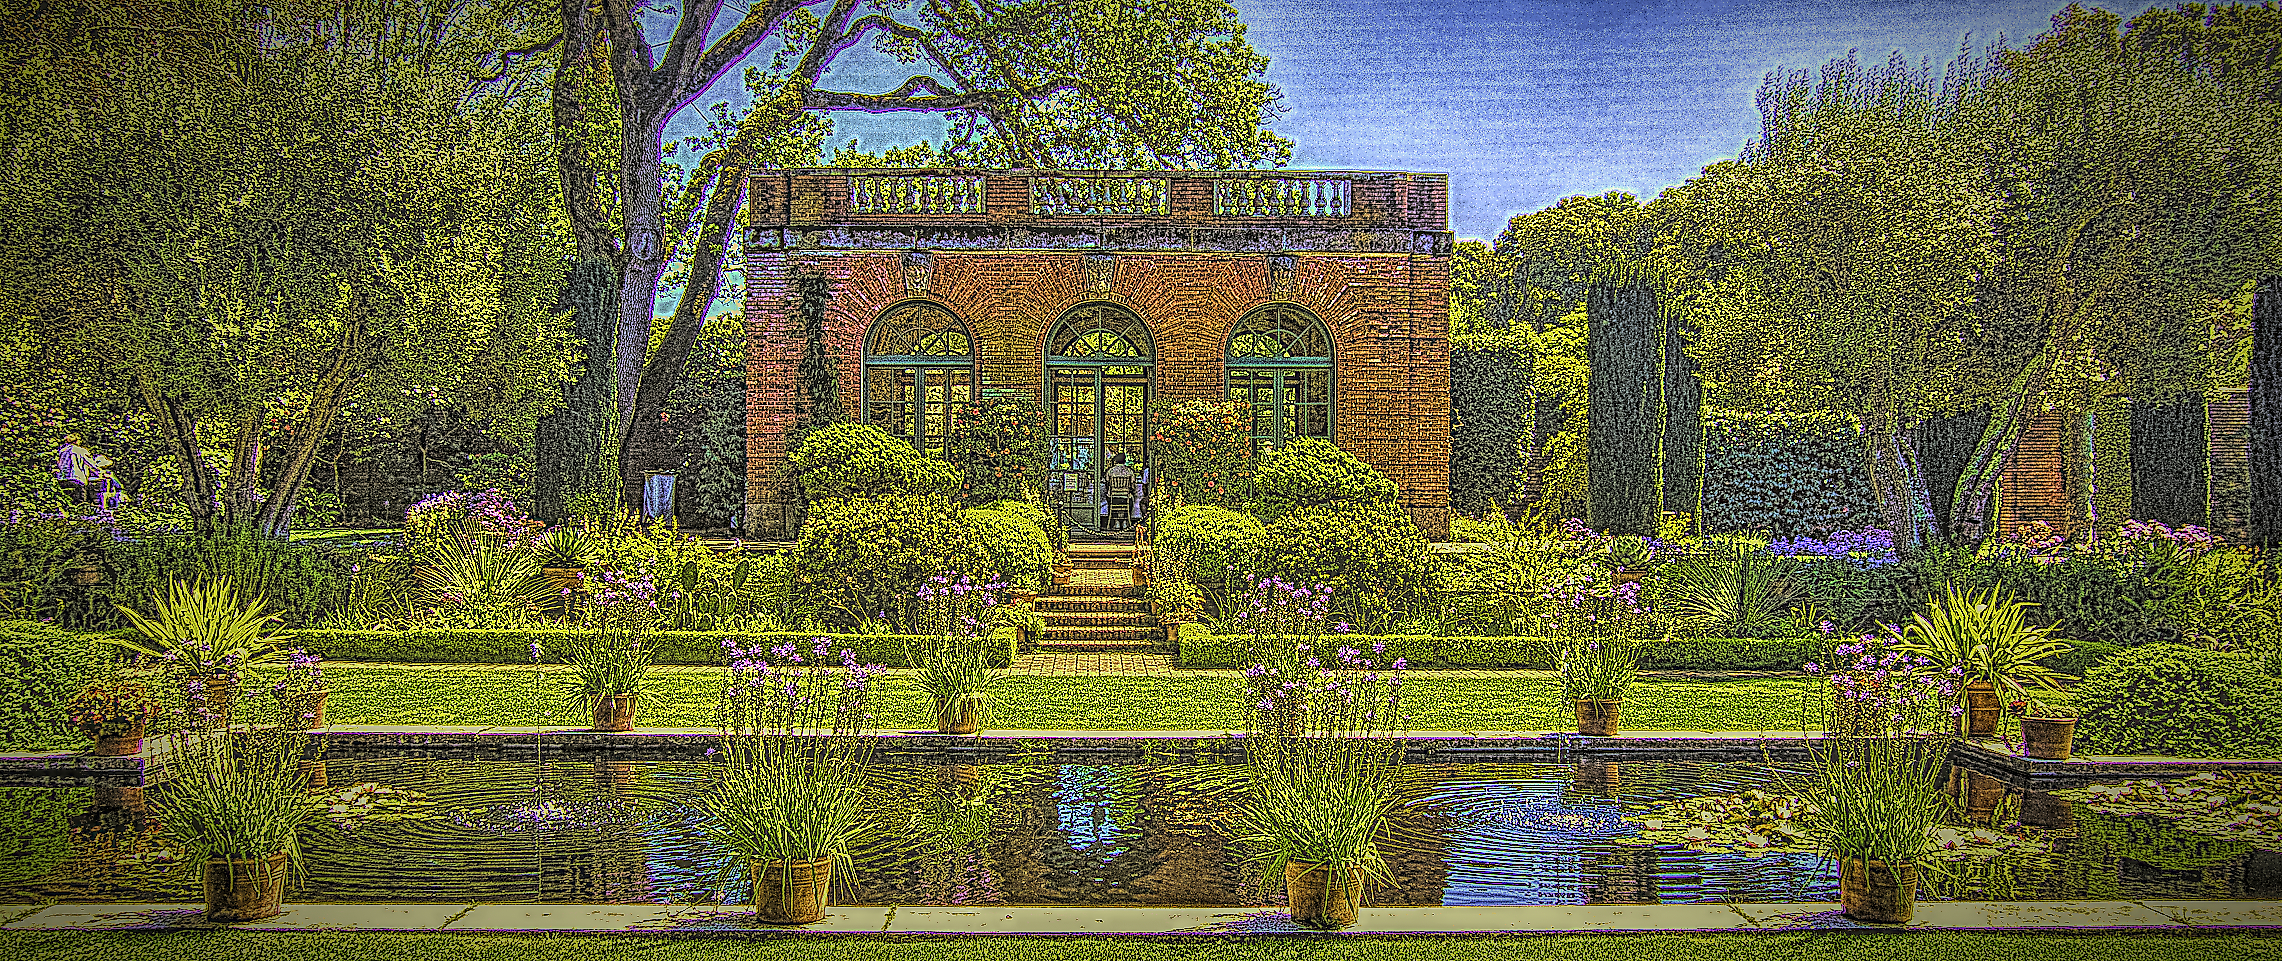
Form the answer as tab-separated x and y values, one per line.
1386	311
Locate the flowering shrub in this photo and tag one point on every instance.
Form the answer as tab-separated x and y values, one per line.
1870	547
430	525
1881	688
112	709
1202	453
999	446
304	674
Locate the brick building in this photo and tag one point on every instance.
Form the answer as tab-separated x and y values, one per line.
1321	296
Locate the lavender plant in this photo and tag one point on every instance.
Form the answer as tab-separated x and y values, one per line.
1879	687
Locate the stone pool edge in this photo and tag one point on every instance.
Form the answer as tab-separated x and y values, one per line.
60	769
732	921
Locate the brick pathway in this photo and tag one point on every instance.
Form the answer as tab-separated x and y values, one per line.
1082	663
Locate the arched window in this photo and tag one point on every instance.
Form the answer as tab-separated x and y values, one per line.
918	365
1279	360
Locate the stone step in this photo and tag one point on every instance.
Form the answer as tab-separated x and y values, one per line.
1087	635
1089	603
1093	590
1061	619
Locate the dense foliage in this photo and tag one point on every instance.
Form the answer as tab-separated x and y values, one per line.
1218	547
1372	557
864	558
41	670
2182	701
1316	473
1787	474
1490	417
1625	411
999	446
860	460
1013	541
1201	453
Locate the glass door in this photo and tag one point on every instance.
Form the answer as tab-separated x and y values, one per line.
1098	414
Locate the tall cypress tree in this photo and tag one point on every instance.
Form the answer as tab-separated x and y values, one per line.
1683	455
2266	412
2170	461
1624	409
569	445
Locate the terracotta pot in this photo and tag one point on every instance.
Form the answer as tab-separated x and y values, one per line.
1877	892
303	712
1597	718
963	716
1982	794
86	576
215	700
2049	738
561	578
120	796
614	712
245	890
962	780
1623	576
313	773
1316	901
1981	709
119	745
794	892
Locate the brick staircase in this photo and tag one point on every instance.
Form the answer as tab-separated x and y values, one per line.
1101	609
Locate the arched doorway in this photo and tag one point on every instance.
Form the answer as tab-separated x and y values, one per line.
1098	360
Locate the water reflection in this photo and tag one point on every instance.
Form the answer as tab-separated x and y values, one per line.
1080	834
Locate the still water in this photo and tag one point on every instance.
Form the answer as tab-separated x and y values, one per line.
458	830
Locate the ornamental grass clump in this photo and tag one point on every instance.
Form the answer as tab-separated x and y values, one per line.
954	617
793	726
611	649
1593	627
1323	740
202	631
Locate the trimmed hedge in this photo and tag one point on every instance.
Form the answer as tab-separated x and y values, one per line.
2181	701
1624	423
41	669
1491	376
1200	648
514	646
1790	474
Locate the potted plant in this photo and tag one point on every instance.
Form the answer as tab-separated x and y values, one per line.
1592	630
301	694
952	658
564	553
2048	732
236	804
116	713
1987	637
793	726
1871	801
1321	750
202	636
611	650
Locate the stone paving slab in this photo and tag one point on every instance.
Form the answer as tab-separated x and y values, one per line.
2230	914
360	917
1044	920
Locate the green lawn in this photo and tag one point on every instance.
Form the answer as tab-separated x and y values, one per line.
1914	946
685	697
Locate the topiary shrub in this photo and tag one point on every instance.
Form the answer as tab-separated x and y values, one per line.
1311	473
1490	413
859	460
1056	534
2181	701
1220	546
1018	549
865	557
1373	558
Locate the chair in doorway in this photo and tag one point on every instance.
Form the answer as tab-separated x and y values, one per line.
1117	494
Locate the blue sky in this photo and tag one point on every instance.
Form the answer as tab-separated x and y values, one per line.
1523	103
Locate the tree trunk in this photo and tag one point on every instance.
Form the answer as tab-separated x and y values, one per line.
1977	482
1894	481
1944	444
567	445
245	470
663	371
276	517
641	204
181	432
2266	412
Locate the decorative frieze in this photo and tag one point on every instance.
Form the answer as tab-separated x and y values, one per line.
915	195
1099	196
1282	197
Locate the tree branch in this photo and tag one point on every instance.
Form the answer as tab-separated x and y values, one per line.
907	97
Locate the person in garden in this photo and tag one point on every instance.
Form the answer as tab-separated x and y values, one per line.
81	472
1121	500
